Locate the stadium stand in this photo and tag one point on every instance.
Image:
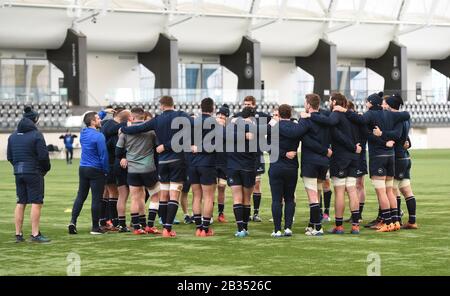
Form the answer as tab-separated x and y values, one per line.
53	116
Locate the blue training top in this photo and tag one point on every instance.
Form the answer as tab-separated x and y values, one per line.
93	150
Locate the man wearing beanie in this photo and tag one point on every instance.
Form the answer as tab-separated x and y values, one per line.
221	166
27	152
402	182
381	157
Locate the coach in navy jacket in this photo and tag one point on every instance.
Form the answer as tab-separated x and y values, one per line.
28	153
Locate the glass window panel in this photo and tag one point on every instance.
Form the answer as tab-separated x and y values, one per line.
37	80
12	80
211	76
440	86
147	83
305	85
358	83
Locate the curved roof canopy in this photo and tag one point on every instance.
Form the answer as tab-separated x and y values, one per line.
359	28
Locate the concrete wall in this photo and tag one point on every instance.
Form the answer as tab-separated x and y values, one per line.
110	72
280	75
419	71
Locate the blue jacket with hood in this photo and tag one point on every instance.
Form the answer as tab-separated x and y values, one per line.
27	150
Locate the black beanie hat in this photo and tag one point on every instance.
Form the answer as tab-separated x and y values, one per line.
395	101
30	114
225	110
248	112
376	99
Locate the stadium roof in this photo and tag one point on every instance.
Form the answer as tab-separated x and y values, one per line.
359	28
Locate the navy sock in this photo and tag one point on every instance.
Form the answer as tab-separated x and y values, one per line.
151	217
411	205
256	203
315	215
162	211
205	223
238	210
142	221
394	215
172	208
361	209
122	221
339	221
386	216
198	221
112	207
221	208
135	221
355	218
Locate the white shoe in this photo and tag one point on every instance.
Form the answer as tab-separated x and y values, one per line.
314	232
271	220
287	232
308	229
276	234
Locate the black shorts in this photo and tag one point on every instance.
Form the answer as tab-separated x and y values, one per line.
382	166
221	173
309	170
241	178
343	168
362	165
111	177
121	176
172	172
30	189
260	167
402	168
145	179
202	175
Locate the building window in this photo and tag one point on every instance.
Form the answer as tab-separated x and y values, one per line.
30	80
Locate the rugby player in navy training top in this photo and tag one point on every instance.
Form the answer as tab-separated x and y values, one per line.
283	171
381	156
314	162
402	182
171	169
202	169
344	163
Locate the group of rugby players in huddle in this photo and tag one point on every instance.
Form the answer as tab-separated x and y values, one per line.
142	163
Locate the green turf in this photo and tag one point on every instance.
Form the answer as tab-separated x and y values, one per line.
421	252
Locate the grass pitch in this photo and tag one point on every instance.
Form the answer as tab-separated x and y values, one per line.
421	252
